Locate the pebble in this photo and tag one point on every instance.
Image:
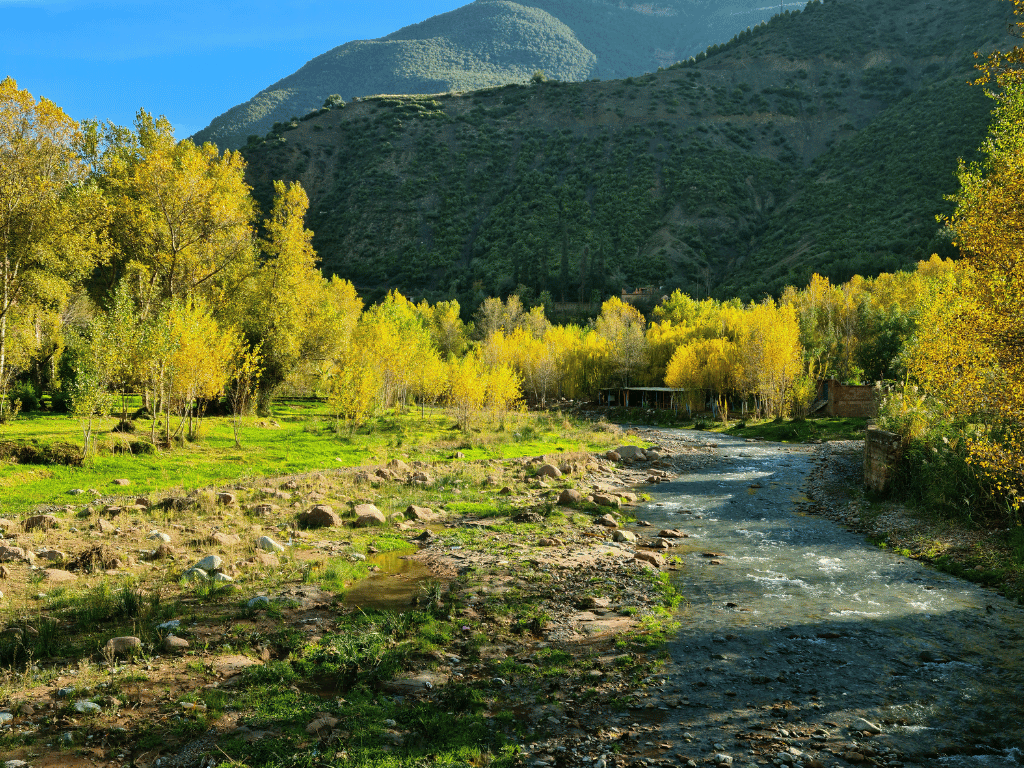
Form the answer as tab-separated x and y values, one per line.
87	707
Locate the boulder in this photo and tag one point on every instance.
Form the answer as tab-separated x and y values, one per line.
607	521
209	563
421	478
320	516
368	515
225	539
570	497
549	470
105	526
673	533
163	538
123	646
423	514
397	465
624	536
321	726
267	544
649	557
57	576
227	499
630	452
41	523
195	574
174	644
15	554
612	456
51	555
607	500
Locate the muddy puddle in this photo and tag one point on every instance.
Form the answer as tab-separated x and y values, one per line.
803	627
396	586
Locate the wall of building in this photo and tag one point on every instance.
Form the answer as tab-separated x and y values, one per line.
882	453
852	401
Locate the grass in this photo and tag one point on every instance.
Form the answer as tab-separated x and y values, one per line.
796	431
303	440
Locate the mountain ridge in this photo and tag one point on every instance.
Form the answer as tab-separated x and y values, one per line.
492	42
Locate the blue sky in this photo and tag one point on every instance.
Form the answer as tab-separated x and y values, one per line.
187	60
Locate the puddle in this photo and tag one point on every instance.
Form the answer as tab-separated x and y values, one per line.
399	582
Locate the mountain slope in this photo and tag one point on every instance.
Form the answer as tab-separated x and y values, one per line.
823	141
494	42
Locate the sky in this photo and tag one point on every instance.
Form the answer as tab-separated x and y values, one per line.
189	61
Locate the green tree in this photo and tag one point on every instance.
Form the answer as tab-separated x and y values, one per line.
50	219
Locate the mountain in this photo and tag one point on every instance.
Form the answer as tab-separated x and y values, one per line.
495	42
825	140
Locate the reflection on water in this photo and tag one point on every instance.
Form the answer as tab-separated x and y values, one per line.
398	583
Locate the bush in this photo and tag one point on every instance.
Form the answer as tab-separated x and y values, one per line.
27	394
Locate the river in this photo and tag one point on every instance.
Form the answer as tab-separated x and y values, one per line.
794	631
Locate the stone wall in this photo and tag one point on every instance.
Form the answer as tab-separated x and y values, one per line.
882	452
852	401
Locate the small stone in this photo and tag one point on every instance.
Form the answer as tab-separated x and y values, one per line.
267	544
607	521
607	500
122	482
854	757
227	498
5	717
722	759
222	578
87	707
624	536
421	478
57	576
5	572
105	526
549	470
260	601
123	646
612	456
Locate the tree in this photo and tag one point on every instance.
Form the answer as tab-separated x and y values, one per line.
50	220
623	326
183	214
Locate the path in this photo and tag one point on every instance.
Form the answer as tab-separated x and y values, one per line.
797	631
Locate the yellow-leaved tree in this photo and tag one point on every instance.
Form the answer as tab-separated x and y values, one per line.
989	296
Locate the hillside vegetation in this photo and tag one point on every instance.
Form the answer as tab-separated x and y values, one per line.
495	42
822	141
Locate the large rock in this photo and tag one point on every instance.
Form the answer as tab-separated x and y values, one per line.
41	523
174	644
209	563
123	646
607	521
15	554
368	515
320	516
267	544
227	498
549	470
57	576
649	557
423	514
624	536
225	539
607	500
105	526
570	497
630	452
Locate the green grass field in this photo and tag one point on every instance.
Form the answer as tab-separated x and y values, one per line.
299	436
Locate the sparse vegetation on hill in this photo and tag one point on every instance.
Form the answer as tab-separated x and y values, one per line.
793	149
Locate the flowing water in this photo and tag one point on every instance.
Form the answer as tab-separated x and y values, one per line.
795	627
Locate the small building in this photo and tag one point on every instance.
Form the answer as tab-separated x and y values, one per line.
661	398
848	400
